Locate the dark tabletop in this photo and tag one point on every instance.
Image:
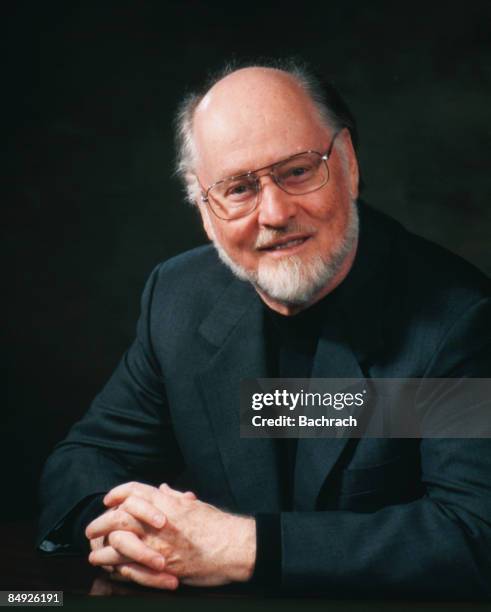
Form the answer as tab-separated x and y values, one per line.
84	587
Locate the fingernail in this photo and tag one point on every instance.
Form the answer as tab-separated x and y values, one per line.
158	520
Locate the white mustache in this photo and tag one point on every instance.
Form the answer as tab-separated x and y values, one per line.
267	236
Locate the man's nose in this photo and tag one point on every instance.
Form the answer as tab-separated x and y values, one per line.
276	207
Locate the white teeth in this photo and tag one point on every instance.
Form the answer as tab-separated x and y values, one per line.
290	243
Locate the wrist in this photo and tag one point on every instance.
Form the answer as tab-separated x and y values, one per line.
243	549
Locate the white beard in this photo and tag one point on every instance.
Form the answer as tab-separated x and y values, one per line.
291	280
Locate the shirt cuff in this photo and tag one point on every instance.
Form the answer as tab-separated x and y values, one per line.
68	537
267	571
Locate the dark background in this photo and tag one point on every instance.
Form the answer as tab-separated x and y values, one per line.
90	204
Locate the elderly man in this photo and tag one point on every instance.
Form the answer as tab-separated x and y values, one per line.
308	282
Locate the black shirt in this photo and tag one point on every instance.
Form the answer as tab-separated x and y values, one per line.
291	343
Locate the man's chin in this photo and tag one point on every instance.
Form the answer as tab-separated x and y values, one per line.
290	300
292	281
288	280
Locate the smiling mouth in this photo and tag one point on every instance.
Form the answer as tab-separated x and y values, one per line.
285	244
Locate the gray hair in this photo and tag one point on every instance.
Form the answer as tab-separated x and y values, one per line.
332	109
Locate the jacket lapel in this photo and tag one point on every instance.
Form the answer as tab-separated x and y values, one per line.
316	457
250	467
349	341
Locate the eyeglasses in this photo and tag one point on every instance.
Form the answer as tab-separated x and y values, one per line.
238	196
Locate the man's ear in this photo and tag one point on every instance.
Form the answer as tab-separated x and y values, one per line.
194	189
352	163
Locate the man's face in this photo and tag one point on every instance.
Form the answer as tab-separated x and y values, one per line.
292	247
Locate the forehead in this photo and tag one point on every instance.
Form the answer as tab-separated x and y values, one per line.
251	121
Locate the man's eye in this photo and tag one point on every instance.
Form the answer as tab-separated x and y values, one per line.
300	171
297	174
239	189
239	192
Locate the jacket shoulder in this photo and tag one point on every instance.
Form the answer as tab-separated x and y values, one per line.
425	270
195	270
435	307
181	290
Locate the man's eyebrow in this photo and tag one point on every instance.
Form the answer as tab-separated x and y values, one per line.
231	173
236	172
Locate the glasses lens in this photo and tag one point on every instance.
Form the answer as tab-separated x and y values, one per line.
302	174
235	197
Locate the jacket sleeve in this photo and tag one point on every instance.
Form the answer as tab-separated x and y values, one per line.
125	435
436	546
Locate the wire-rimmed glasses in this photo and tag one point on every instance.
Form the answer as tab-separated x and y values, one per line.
238	196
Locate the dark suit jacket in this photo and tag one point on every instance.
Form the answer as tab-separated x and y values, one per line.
373	517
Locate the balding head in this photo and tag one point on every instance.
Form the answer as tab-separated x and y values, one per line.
253	96
251	118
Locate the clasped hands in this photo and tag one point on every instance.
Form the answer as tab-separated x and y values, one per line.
160	537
